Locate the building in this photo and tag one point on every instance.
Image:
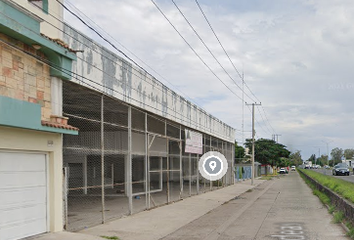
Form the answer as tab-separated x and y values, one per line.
31	122
117	136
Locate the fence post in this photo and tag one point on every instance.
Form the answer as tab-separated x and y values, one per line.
102	159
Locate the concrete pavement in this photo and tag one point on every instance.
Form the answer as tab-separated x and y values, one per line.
161	221
284	208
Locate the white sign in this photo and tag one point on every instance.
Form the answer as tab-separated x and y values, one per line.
194	142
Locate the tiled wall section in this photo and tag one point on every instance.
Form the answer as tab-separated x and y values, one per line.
22	76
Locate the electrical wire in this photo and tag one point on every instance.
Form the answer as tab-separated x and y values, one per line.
199	57
92	22
228	56
76	76
211	53
202	110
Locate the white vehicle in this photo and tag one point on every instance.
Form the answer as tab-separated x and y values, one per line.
293	168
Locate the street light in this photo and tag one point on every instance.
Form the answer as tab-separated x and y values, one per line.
327	150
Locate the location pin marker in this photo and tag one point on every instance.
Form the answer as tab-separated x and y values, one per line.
212	165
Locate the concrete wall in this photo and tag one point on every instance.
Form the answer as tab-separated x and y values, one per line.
15	139
107	72
54	8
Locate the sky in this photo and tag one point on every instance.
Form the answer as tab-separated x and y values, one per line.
296	57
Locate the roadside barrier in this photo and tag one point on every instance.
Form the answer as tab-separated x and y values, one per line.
339	202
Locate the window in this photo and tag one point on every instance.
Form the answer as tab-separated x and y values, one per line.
43	4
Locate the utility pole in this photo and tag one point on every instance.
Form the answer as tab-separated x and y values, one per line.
328	142
275	136
253	134
243	108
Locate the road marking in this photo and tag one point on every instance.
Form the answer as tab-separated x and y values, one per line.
290	231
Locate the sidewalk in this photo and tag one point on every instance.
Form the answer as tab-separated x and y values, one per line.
161	221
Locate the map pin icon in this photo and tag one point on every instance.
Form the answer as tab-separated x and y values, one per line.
212	165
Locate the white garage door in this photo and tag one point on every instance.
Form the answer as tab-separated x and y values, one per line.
23	195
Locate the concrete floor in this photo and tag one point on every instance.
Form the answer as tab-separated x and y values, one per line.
85	211
158	222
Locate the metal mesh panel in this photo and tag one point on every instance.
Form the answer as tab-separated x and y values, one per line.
173	131
186	176
83	108
115	199
138	120
159	177
139	183
156	125
175	185
115	113
194	175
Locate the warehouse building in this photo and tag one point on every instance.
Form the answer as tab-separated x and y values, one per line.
87	136
133	150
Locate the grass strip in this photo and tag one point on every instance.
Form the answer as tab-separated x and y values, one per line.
339	186
338	216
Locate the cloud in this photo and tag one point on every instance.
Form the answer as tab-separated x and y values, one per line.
296	55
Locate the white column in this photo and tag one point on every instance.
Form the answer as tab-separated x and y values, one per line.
57	96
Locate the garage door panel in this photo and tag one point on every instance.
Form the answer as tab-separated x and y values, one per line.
26	162
23	191
26	229
22	179
15	198
20	216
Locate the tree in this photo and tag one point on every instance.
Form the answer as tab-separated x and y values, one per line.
295	158
312	158
337	154
267	151
349	153
322	160
284	162
239	153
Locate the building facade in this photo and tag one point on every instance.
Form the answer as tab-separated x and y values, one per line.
31	122
87	136
130	154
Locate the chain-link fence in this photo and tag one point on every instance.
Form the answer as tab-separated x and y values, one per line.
125	160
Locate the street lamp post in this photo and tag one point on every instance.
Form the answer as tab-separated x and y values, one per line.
327	150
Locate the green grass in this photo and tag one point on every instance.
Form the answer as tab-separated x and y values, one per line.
110	237
266	177
323	197
339	186
336	185
350	233
338	217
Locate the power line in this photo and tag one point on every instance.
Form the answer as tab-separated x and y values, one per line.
158	8
202	110
228	56
126	68
76	76
211	53
263	119
51	64
90	20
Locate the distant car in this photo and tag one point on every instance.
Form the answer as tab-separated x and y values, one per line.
340	169
293	168
282	171
327	167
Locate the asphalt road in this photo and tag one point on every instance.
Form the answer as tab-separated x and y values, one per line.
284	208
349	178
